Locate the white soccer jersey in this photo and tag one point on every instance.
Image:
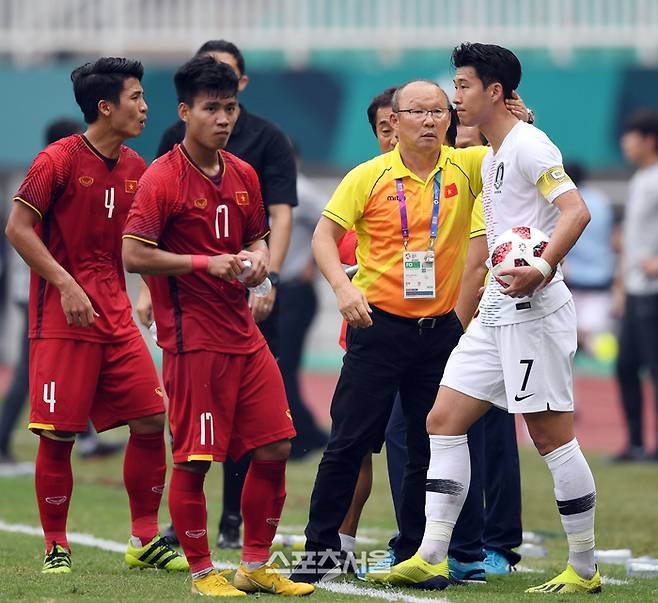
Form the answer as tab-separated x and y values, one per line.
520	183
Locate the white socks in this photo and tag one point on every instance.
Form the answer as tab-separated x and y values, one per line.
575	493
448	479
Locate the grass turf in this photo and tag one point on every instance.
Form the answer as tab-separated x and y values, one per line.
627	516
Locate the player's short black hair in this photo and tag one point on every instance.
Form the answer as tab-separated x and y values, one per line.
383	99
102	80
61	128
203	74
491	63
224	46
645	122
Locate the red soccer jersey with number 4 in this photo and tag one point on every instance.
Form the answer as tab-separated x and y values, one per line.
180	209
83	202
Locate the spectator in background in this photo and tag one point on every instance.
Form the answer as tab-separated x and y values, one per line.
589	266
298	306
638	279
88	444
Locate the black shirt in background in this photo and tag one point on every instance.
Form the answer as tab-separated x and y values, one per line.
261	144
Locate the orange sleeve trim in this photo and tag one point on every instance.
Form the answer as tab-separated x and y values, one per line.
29	205
45	426
200	457
129	236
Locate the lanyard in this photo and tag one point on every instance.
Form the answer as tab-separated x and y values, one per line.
436	202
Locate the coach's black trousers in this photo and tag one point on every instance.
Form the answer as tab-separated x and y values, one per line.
395	353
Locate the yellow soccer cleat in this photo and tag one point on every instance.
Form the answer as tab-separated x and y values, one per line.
414	573
267	579
156	554
215	584
569	582
57	560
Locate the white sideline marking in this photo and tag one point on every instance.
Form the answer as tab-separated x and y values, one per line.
389	594
74	537
524	569
613	581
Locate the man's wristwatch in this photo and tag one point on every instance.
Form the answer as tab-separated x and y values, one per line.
531	116
274	278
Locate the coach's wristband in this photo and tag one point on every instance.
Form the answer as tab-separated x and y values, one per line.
199	262
543	266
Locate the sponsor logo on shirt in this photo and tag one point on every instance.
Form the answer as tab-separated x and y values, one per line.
131	186
201	203
242	197
500	173
86	180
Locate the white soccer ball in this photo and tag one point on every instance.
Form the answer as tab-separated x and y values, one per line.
518	246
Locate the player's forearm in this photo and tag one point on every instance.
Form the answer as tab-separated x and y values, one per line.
475	271
146	259
325	250
280	230
36	255
574	217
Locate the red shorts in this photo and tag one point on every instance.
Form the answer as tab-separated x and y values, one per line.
223	404
74	381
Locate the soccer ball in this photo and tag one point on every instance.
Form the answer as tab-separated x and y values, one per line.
518	246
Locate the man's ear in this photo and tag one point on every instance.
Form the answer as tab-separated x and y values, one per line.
104	107
183	111
243	82
496	91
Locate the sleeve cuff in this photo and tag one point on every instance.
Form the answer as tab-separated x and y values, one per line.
142	239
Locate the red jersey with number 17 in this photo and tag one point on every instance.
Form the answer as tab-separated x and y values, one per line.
180	209
83	200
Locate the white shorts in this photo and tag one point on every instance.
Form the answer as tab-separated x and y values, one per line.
522	367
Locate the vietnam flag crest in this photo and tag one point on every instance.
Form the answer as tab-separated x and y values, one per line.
451	190
242	197
131	186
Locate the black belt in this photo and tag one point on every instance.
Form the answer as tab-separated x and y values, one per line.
424	324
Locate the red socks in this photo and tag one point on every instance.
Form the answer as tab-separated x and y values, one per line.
54	483
144	468
262	502
187	507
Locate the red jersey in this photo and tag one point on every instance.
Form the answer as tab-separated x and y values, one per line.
180	209
82	199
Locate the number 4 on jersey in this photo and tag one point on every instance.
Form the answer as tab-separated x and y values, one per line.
109	201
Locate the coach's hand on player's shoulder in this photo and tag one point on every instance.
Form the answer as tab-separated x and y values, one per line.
76	305
226	266
259	264
526	280
353	306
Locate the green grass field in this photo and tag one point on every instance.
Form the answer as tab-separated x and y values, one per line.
627	517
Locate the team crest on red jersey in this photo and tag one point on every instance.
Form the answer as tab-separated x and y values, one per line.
242	197
86	180
201	203
131	186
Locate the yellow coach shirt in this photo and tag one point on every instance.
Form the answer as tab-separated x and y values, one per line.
367	201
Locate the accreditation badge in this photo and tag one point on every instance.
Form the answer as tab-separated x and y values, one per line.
419	279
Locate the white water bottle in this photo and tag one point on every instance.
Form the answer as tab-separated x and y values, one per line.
262	290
